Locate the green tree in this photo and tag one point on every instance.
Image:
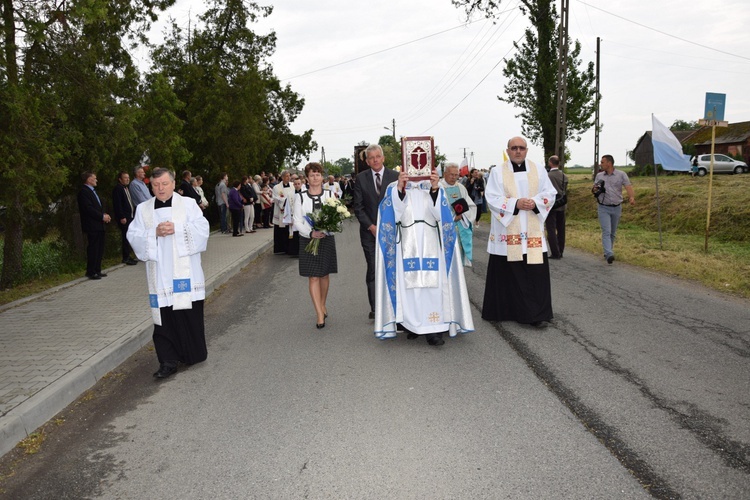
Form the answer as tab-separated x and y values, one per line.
532	76
237	115
391	151
346	165
66	88
684	125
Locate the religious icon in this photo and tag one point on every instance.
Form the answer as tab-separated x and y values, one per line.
418	155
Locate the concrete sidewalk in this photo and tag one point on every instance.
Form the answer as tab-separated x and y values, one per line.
57	344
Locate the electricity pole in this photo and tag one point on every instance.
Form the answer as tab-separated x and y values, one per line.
562	84
596	106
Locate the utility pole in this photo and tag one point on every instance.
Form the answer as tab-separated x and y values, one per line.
596	107
562	84
323	157
392	129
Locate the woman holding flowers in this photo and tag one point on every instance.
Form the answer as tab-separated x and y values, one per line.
317	256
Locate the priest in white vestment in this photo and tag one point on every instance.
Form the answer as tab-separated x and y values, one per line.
169	233
419	277
519	195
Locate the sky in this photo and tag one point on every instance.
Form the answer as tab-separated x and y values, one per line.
422	64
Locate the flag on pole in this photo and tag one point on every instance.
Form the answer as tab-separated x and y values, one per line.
463	169
667	149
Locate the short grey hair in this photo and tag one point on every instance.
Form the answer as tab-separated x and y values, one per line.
158	172
450	164
373	147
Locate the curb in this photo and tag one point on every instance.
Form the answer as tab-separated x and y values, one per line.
23	420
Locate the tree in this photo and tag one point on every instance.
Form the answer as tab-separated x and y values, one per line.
391	151
237	115
346	165
66	84
532	76
684	125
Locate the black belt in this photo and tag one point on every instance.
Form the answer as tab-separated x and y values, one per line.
611	205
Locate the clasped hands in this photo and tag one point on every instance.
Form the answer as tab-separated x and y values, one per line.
165	228
526	204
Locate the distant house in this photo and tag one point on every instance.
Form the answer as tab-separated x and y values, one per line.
643	153
733	140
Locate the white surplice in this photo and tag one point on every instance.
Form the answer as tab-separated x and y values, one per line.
188	241
419	277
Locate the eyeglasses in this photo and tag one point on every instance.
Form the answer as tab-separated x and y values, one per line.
517	148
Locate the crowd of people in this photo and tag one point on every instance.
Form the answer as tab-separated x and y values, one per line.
416	236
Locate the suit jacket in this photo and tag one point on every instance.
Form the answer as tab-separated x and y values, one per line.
189	192
92	213
366	199
121	205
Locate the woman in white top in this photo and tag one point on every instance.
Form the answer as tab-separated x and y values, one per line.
315	267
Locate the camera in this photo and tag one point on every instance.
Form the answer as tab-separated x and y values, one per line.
598	188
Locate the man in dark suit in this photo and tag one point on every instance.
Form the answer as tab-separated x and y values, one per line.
93	219
368	191
186	187
124	212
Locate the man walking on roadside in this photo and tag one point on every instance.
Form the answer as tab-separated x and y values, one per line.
169	233
519	196
369	190
607	189
555	222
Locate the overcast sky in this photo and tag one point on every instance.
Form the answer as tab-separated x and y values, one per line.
359	68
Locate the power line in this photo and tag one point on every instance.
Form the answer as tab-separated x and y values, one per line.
663	32
381	51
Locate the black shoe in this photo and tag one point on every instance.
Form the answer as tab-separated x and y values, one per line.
93	276
320	325
400	327
101	275
435	339
411	335
538	324
372	315
165	371
130	262
556	257
610	259
238	235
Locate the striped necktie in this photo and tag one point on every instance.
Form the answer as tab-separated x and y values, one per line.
377	182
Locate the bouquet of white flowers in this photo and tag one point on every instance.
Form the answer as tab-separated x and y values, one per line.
327	219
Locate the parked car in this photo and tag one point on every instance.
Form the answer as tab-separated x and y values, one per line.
723	164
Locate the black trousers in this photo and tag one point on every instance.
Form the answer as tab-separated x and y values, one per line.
94	252
555	224
126	249
368	246
236	218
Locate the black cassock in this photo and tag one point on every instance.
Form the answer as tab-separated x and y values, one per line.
520	292
181	336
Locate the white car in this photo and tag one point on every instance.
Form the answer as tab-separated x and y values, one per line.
723	164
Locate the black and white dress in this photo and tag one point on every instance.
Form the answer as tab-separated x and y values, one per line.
325	263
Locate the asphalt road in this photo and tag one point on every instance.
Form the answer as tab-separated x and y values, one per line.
639	388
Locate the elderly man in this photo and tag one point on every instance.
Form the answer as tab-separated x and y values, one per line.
368	191
463	210
519	195
169	233
282	214
138	188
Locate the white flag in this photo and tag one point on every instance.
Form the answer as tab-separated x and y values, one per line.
667	149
